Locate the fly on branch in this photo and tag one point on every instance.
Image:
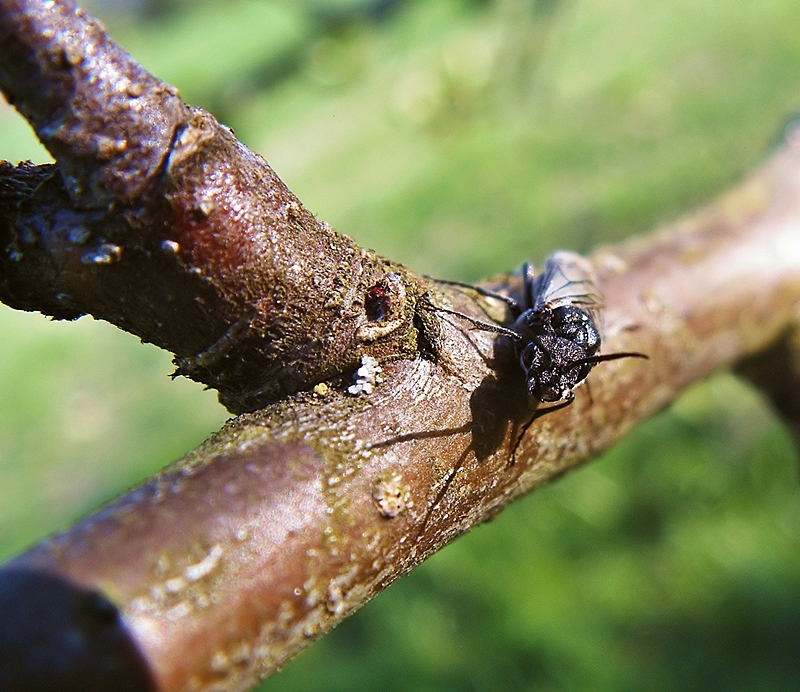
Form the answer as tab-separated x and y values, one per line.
555	331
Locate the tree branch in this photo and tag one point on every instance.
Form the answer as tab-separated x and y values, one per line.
240	554
161	222
289	519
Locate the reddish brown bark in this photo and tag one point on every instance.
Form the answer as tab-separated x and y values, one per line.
158	220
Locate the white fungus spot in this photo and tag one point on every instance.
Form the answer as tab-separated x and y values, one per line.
366	377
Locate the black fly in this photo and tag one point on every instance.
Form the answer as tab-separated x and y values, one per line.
555	332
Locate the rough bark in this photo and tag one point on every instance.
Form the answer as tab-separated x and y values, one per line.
156	202
294	515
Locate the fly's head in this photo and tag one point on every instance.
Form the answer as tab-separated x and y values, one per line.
556	349
553	367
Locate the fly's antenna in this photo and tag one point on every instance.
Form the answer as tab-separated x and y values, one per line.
593	360
478	324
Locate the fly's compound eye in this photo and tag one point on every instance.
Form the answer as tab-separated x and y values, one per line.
564	315
575	325
531	357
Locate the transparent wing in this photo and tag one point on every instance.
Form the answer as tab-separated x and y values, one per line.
568	279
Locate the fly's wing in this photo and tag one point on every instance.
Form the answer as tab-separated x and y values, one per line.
568	279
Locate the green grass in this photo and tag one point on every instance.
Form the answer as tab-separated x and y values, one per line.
464	137
87	411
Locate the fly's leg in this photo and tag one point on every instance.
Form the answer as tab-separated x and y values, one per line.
529	279
478	324
508	300
538	413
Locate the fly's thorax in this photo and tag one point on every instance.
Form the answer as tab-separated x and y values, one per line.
576	325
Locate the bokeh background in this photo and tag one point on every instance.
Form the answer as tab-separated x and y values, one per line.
463	137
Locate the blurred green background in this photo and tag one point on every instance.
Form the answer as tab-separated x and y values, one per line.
463	137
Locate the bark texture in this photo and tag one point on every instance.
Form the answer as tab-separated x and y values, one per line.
158	220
